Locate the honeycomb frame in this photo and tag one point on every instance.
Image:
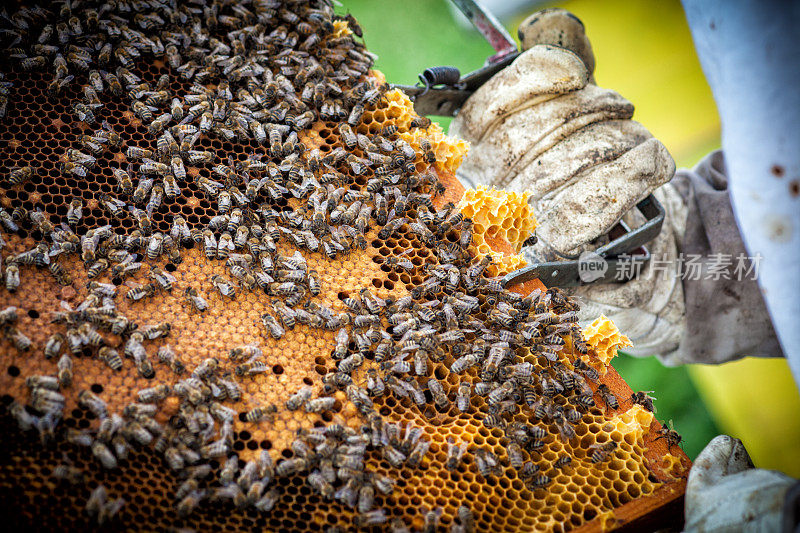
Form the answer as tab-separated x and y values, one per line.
43	135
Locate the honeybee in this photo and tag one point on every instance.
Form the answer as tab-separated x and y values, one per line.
84	112
153	394
24	420
261	413
673	437
268	501
21	342
493	420
190	503
375	384
8	221
432	518
420	122
252	367
12	277
195	300
180	231
318	405
562	461
168	356
224	286
206	368
463	363
288	467
111	357
463	396
602	452
538	481
285	313
273	326
150	166
438	394
342	340
428	155
139	292
299	398
487	463
156	331
104	455
69	473
501	392
565	428
20	174
515	458
93	403
8	315
350	363
348	137
155	246
61	276
44	382
372	518
314	284
644	399
455	454
397	262
210	244
114	206
96	501
89	335
47	401
244	352
608	396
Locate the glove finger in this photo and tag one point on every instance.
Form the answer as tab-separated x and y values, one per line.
557	27
593	204
725	492
721	457
526	134
561	165
537	75
750	501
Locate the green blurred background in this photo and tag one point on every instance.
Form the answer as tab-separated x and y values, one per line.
645	52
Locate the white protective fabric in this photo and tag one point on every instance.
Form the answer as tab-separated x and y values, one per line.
749	53
726	494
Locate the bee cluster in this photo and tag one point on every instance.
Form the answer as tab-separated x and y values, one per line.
259	75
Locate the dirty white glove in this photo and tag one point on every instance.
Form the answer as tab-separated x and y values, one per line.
725	493
541	125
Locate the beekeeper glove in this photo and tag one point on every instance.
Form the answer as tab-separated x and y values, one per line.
725	493
541	126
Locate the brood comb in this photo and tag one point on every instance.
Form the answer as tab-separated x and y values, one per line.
238	294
